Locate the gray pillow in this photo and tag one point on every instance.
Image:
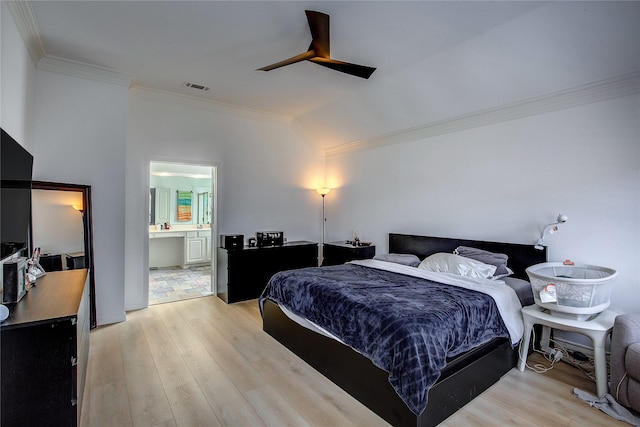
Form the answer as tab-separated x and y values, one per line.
492	258
522	288
404	259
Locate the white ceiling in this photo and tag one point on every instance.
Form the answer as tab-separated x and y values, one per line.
435	60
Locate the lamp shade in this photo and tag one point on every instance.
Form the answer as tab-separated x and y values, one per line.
323	191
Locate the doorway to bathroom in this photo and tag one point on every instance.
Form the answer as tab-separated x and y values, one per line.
182	230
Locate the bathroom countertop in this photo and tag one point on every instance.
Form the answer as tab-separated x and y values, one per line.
181	229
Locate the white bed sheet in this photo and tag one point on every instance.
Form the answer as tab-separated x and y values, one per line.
307	323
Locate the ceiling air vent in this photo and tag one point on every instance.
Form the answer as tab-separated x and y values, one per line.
196	86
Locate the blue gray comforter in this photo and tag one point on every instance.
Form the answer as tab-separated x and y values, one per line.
405	325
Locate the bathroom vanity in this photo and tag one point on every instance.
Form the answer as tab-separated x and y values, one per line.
183	246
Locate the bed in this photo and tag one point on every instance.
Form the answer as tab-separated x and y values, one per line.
463	377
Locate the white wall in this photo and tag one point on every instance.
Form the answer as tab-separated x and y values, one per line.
17	75
80	131
75	130
504	182
265	172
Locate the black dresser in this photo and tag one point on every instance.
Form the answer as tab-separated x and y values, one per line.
335	253
244	272
45	349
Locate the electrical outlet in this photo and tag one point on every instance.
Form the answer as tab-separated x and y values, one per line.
556	355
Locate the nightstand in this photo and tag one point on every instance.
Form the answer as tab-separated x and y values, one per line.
597	329
339	252
75	260
51	262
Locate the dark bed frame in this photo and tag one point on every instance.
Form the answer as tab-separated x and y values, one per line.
465	376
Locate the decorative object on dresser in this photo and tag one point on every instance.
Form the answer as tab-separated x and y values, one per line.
339	252
243	273
464	376
45	349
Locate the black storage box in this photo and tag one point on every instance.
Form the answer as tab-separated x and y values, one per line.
232	241
270	238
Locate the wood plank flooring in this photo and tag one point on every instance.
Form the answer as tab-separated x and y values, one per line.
202	362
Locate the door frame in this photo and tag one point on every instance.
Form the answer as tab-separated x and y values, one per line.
213	226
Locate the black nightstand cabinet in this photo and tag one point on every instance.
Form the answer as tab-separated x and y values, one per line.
243	273
75	261
51	262
335	253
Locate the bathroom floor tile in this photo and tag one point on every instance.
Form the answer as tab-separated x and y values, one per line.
175	284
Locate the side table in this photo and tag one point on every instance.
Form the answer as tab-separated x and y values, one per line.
335	253
597	329
75	261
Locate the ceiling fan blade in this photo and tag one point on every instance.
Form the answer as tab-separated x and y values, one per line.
303	56
320	50
319	26
354	69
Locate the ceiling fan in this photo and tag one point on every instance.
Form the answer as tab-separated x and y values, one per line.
319	50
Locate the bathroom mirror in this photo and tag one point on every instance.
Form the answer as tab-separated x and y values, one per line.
204	208
159	205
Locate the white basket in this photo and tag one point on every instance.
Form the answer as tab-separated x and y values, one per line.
581	290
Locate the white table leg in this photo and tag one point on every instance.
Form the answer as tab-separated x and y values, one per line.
600	362
524	344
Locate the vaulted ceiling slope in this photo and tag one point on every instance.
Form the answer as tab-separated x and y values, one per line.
439	64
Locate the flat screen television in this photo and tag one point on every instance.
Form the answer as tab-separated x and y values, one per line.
16	166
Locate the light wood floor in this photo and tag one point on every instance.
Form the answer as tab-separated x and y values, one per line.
202	362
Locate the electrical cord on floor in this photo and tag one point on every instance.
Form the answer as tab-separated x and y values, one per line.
552	357
586	366
559	352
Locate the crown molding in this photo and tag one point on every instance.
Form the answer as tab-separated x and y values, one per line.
83	70
623	85
214	106
27	23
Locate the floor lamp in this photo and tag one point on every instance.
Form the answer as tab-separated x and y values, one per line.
323	192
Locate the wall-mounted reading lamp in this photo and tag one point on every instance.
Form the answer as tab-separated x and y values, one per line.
551	228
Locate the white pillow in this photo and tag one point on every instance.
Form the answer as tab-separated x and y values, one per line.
450	263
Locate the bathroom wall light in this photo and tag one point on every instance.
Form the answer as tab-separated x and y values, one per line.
551	228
